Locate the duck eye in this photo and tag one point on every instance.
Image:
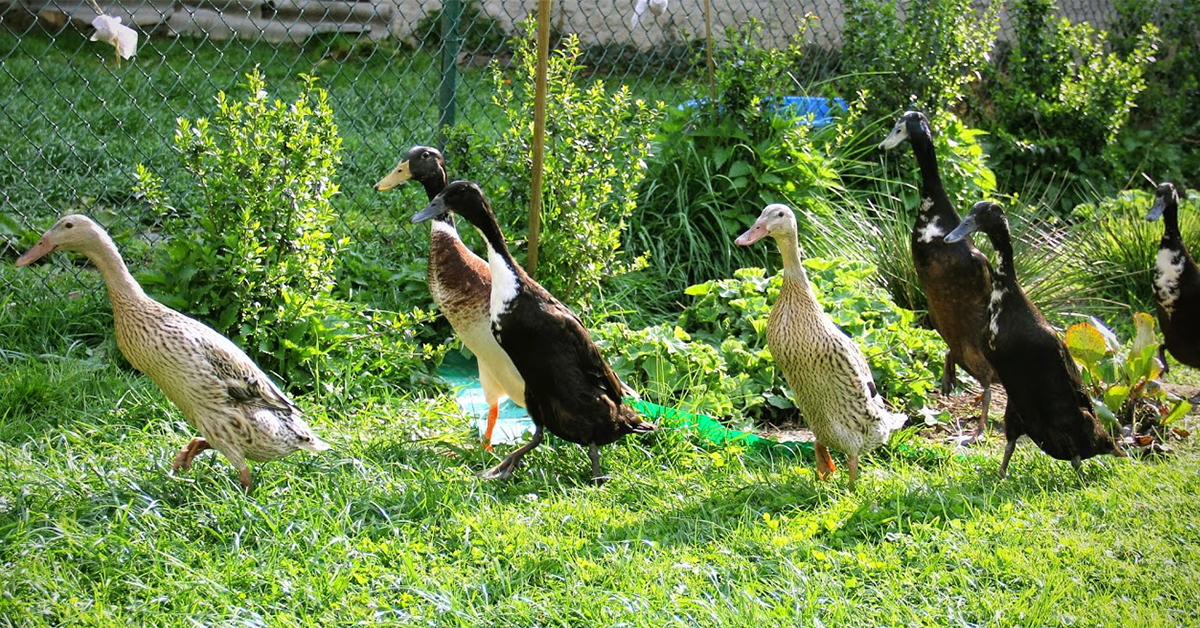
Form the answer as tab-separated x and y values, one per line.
69	225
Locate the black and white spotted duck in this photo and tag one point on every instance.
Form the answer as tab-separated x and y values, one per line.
955	276
569	389
1046	398
1176	284
236	408
825	369
461	285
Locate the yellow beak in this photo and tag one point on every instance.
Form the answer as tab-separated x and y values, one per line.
398	175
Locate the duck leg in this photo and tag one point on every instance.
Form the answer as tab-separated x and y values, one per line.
1008	452
598	477
1162	357
853	466
504	470
948	374
244	478
493	414
183	460
825	466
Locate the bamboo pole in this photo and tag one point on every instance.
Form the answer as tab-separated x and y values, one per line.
708	44
539	134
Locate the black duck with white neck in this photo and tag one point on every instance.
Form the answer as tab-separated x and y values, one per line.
1176	284
1046	398
569	389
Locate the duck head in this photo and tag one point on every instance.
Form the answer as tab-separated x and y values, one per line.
985	216
463	198
1166	195
70	233
775	220
422	163
911	124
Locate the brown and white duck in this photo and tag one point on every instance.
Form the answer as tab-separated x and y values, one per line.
569	389
955	277
236	408
461	285
825	369
1046	397
1176	284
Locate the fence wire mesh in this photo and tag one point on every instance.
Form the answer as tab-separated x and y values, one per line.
77	120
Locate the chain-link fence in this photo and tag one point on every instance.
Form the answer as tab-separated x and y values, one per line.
76	119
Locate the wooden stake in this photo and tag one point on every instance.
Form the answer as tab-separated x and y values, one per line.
708	44
539	134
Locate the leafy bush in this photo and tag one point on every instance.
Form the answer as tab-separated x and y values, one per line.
256	256
1123	379
1114	248
927	60
596	141
719	160
1059	100
715	358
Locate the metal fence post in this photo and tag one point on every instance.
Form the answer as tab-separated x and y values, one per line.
451	42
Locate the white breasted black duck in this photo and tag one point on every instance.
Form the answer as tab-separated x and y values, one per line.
955	276
461	285
236	408
1046	398
825	369
569	388
1176	284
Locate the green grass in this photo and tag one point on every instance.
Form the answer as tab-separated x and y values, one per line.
393	526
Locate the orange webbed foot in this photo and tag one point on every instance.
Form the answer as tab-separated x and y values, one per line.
825	466
493	414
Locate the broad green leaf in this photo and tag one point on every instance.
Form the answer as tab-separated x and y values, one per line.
1086	344
1178	412
1144	334
1116	395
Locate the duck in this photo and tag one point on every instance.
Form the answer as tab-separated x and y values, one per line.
1176	284
570	389
221	392
955	277
461	285
1046	398
825	369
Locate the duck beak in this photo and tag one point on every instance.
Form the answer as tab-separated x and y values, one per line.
398	175
436	207
899	134
964	229
1156	210
756	233
44	246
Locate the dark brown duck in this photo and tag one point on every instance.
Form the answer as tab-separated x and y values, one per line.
955	276
1046	398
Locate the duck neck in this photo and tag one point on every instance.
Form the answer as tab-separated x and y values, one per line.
122	287
931	181
1171	223
795	279
434	186
499	258
1002	242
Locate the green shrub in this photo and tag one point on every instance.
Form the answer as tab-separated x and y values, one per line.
715	359
1059	100
927	60
596	143
255	257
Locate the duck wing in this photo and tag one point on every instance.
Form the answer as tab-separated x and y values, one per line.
240	378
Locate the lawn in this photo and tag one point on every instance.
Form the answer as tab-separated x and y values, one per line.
393	526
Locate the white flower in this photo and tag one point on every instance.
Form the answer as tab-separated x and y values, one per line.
110	30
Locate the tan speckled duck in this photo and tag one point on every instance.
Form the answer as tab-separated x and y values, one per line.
236	408
461	285
825	369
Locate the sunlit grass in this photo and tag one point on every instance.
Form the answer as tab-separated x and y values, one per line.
393	526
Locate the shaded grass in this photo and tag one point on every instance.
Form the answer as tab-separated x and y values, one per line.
392	526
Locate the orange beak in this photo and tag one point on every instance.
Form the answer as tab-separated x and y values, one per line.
756	233
44	246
